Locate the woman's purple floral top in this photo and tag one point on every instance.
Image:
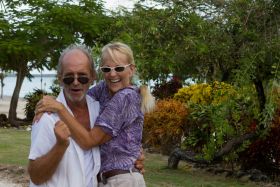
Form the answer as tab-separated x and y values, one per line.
121	117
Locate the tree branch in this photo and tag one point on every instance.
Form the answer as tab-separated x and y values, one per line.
189	156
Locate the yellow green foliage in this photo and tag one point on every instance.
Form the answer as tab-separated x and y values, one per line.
164	126
213	93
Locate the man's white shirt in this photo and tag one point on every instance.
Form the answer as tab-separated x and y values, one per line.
71	171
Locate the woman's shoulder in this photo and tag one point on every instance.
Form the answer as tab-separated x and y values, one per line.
99	85
131	90
130	93
97	89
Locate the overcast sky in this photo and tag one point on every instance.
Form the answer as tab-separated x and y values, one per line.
113	4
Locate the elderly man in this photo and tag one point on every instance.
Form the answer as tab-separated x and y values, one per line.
55	159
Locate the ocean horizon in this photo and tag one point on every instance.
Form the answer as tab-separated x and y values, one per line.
35	75
38	81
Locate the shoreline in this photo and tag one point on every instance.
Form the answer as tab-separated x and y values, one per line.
5	106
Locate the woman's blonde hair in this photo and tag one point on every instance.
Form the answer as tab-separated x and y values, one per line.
110	49
147	99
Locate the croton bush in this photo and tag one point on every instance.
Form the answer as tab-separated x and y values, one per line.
216	112
203	117
205	94
164	127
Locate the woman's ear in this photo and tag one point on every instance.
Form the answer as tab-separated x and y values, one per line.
133	68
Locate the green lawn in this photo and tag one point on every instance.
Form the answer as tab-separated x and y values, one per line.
14	148
158	175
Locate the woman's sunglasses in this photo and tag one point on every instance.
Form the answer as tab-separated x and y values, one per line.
70	80
116	69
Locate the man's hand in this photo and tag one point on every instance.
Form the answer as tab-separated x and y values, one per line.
42	168
62	134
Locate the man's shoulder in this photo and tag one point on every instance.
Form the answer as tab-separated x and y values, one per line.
44	127
91	100
93	105
47	119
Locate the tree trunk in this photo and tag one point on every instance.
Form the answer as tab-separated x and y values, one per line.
14	100
188	156
261	95
1	84
232	145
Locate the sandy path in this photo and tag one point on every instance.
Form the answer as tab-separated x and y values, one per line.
4	183
5	105
13	176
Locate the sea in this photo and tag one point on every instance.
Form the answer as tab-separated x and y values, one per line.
43	82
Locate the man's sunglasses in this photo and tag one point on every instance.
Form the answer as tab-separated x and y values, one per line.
116	69
70	80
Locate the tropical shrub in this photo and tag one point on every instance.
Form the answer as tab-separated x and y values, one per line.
4	120
264	153
204	93
211	126
33	97
164	127
167	89
31	100
217	113
55	87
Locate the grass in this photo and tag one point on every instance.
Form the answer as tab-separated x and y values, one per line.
14	149
158	175
14	146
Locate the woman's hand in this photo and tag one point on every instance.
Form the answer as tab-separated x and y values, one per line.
139	163
46	104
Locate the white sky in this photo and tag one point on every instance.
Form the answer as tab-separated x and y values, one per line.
113	4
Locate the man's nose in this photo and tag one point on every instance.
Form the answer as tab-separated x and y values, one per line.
76	82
